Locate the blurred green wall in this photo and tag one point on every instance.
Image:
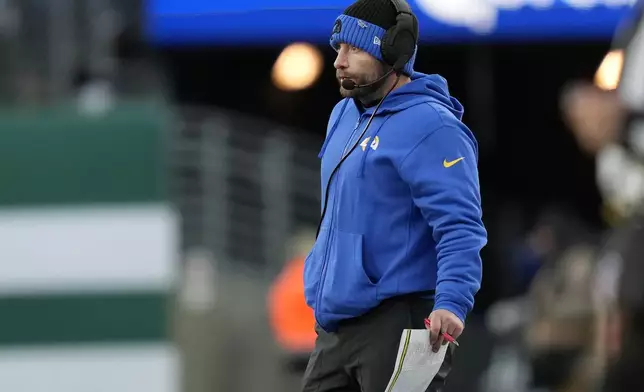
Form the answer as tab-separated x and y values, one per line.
88	248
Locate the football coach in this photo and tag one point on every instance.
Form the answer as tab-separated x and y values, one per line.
401	230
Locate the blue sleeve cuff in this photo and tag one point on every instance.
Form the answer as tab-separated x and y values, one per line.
459	310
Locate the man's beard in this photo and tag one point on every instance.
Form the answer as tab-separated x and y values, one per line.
367	94
361	93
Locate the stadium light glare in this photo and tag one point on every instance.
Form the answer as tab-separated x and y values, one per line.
610	70
297	67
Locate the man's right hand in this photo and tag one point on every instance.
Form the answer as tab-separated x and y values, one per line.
443	321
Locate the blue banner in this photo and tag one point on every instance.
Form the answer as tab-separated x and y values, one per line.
238	22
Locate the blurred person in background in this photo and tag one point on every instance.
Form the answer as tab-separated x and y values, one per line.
561	333
530	254
400	235
554	232
543	277
291	320
610	124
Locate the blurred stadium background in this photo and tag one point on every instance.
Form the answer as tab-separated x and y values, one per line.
159	180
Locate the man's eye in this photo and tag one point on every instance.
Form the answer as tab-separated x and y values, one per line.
354	49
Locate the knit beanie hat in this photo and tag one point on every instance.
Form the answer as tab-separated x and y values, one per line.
363	25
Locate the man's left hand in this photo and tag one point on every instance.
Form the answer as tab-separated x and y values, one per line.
443	321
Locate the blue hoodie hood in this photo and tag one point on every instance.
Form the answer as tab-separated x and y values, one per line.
421	88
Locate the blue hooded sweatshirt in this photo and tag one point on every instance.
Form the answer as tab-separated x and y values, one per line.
404	213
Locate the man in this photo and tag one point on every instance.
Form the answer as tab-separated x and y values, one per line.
619	144
401	231
610	124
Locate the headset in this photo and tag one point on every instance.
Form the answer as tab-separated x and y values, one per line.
397	47
399	42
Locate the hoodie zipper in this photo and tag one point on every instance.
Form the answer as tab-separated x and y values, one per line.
330	231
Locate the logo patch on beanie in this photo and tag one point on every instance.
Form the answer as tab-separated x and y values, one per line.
362	24
337	27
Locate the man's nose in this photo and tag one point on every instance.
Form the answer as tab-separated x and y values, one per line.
341	61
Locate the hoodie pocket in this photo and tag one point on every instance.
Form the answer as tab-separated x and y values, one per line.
313	267
347	290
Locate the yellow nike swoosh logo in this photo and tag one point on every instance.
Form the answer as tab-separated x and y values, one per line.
451	163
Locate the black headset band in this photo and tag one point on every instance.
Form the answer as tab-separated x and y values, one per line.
401	6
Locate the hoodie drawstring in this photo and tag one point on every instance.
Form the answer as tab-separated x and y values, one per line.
332	131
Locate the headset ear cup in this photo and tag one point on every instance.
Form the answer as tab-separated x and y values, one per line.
405	46
388	47
407	34
399	42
